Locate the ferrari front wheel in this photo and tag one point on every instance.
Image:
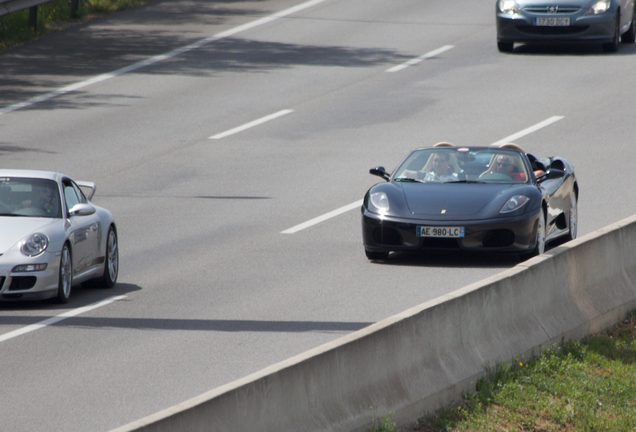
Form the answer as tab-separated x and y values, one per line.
539	244
376	255
65	279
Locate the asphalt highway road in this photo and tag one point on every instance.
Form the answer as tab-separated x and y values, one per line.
229	127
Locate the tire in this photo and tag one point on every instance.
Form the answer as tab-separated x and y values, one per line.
376	255
65	280
630	35
613	45
573	221
539	247
111	260
505	46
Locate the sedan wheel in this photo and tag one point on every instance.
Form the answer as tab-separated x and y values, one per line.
613	46
573	218
65	281
111	264
505	46
630	35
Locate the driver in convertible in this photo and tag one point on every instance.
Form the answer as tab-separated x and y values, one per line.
505	165
441	170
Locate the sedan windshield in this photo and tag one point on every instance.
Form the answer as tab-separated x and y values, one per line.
464	165
29	197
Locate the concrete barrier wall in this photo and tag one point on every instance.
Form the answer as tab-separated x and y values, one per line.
427	356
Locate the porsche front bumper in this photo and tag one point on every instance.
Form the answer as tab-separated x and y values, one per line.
33	285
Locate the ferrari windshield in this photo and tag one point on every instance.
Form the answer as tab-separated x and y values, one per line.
465	165
30	197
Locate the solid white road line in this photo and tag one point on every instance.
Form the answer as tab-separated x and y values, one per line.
527	131
324	217
252	124
417	60
58	318
159	58
357	204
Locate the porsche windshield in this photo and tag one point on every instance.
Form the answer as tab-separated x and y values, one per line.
463	164
29	197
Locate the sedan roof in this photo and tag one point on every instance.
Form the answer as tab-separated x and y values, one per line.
50	175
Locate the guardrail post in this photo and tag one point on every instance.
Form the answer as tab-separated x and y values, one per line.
33	17
75	4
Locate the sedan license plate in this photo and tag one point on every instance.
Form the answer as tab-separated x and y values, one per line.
436	231
552	21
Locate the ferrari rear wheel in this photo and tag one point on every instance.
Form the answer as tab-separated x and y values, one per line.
65	281
573	219
111	260
376	255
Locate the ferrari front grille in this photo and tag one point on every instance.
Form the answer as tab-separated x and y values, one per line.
499	238
387	236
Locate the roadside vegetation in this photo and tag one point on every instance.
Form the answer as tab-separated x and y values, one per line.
584	386
15	28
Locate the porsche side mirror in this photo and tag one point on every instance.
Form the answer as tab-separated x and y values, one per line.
82	210
551	174
380	172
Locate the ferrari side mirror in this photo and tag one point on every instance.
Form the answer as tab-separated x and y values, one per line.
380	172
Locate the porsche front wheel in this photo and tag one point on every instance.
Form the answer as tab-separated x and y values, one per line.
65	280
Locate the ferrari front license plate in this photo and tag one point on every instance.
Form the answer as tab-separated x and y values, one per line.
552	21
436	231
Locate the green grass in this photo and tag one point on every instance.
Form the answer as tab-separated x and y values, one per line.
15	28
582	386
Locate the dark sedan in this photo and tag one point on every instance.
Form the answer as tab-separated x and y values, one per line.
597	21
470	198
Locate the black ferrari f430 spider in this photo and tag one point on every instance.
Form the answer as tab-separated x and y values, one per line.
496	199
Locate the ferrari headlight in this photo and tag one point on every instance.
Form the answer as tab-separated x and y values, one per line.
34	244
599	7
380	201
509	7
514	203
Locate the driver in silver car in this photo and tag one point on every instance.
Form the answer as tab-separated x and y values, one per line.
43	198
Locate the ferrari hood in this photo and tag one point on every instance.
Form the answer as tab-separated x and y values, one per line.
450	199
14	229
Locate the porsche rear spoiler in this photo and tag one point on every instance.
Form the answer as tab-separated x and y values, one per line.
87	185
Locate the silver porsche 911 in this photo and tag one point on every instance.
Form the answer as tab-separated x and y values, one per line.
52	237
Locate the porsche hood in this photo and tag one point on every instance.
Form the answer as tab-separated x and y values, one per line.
450	199
15	229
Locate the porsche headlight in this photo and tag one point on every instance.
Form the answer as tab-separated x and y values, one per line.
509	7
380	201
34	244
514	203
599	7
